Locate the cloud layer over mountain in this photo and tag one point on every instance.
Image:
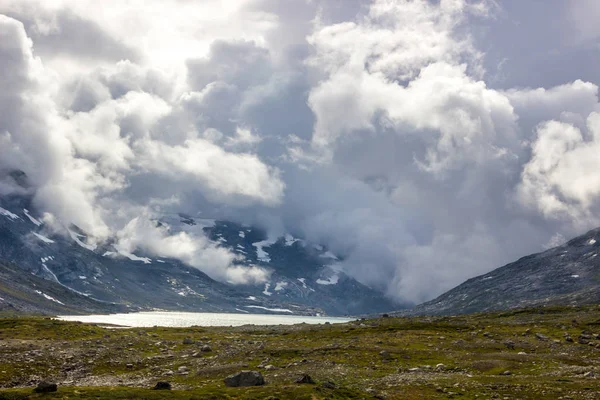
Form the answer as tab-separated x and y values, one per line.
425	141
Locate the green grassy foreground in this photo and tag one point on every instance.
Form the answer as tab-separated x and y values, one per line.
549	353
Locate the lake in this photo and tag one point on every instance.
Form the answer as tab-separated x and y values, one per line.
187	319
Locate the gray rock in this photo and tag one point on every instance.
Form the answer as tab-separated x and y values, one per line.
245	378
385	354
305	379
206	348
188	340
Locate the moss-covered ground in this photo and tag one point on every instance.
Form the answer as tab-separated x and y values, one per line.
544	353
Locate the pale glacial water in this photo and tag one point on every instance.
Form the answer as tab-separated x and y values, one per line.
186	319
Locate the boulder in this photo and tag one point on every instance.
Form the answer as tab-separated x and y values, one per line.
162	385
305	379
245	378
46	387
541	337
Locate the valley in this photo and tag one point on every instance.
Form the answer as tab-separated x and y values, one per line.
538	353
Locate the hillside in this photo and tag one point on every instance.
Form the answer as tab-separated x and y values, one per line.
565	275
21	292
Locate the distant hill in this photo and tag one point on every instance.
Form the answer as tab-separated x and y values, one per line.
565	275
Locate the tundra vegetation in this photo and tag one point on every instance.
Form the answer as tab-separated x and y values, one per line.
539	353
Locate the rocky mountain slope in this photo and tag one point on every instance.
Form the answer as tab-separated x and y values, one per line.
565	275
305	278
26	293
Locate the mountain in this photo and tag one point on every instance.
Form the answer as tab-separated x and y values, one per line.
305	278
302	273
565	275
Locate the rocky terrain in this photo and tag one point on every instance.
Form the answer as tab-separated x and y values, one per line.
565	275
541	353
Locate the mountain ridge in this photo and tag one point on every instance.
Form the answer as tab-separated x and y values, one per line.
304	279
568	274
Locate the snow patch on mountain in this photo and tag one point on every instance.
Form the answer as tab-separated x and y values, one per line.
8	214
329	254
285	310
51	273
49	297
33	220
266	291
336	269
279	286
261	254
303	281
43	238
75	237
333	280
242	234
133	257
187	291
290	240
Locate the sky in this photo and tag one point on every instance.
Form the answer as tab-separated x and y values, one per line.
425	141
